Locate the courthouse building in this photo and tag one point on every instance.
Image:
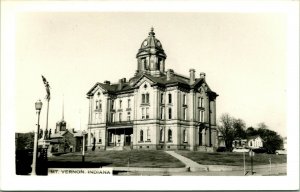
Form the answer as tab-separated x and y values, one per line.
155	109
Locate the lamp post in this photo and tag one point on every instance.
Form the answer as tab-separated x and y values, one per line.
38	108
83	145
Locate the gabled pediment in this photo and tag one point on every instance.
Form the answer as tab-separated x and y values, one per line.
142	80
97	87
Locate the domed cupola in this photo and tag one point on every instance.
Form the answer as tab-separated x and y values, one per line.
151	56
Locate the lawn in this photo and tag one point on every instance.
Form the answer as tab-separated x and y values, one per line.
118	159
231	159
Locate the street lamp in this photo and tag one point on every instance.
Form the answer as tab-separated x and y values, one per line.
83	145
38	108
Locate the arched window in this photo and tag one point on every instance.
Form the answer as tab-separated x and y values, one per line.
141	135
170	135
250	143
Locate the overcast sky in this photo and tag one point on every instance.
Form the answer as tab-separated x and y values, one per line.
242	54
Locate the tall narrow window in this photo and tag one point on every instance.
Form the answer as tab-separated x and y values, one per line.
112	117
143	98
100	105
148	134
141	135
184	136
120	117
161	113
184	113
170	113
200	102
184	99
161	134
147	113
170	97
147	98
128	116
143	113
120	104
99	136
96	104
170	135
112	104
201	116
129	103
162	98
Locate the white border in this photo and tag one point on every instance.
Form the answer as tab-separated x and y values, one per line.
9	181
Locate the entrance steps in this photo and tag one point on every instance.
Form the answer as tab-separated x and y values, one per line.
115	148
118	148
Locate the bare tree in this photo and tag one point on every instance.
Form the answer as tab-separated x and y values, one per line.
226	128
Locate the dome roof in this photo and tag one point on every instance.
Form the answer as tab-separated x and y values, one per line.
151	45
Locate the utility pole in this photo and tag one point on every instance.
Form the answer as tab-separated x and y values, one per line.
251	155
244	163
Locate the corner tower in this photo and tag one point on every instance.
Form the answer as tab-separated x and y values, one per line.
151	56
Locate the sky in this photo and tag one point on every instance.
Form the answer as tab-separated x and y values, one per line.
243	55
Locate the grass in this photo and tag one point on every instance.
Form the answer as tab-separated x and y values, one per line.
136	158
232	159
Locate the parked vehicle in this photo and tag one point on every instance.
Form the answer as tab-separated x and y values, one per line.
281	152
240	150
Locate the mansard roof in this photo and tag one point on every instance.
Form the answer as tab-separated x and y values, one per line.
161	81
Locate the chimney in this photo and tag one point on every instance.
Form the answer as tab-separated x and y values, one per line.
121	81
192	76
170	73
107	82
202	75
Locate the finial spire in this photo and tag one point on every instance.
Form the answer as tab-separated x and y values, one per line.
151	33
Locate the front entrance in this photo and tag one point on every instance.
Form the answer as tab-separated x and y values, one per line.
127	140
119	136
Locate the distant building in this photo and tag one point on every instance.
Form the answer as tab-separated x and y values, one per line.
155	109
255	142
239	143
66	141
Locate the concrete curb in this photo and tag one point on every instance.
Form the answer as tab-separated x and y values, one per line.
150	169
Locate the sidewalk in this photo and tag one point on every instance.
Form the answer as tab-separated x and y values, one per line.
193	166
